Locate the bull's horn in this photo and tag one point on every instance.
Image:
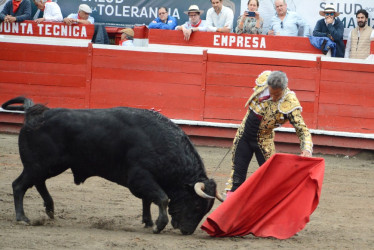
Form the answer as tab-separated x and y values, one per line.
219	197
199	187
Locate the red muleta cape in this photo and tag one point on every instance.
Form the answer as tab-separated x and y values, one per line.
275	201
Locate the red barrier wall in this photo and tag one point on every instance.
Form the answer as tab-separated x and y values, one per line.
211	85
233	41
230	80
168	82
56	75
346	102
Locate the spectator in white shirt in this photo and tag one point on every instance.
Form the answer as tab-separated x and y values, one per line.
82	17
219	18
194	23
51	11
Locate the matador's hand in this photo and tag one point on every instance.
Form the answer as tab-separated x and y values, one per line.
306	153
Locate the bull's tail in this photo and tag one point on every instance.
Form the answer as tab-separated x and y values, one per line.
33	116
24	102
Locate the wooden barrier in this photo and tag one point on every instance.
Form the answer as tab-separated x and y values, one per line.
194	84
233	41
56	75
346	102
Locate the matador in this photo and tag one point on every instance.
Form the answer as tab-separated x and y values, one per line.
271	105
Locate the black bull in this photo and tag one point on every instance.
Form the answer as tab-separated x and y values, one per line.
139	149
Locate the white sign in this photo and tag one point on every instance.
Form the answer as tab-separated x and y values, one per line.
43	29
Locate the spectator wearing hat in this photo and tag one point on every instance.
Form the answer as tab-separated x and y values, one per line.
358	42
194	23
219	18
82	17
287	23
127	37
51	11
163	21
250	22
16	11
330	26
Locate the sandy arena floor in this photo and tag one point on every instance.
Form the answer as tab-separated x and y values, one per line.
103	215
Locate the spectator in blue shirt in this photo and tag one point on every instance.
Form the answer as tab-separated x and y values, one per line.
16	11
330	26
163	21
287	23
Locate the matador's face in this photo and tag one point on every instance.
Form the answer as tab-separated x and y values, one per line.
276	94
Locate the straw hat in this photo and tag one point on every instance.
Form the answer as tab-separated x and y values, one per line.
194	8
329	8
128	31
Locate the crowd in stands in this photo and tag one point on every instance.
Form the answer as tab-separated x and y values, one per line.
327	34
20	10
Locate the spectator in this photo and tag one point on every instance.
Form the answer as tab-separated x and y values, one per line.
287	23
163	21
83	16
39	12
271	105
51	11
219	18
330	26
250	24
194	23
358	42
127	37
16	11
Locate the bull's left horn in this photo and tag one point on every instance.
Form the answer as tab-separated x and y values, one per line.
219	197
199	189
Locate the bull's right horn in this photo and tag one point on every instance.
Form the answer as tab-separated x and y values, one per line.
199	189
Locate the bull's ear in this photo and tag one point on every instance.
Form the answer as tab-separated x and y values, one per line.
189	186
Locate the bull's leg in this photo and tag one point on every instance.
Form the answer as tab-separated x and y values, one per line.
147	217
20	186
162	219
48	201
143	186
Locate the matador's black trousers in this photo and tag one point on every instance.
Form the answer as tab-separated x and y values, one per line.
246	146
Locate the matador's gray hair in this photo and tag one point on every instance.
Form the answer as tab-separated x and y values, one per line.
277	80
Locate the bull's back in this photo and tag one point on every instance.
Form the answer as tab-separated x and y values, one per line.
103	142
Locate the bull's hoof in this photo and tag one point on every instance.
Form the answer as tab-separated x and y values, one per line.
156	230
147	222
146	225
23	219
174	224
49	209
50	213
160	224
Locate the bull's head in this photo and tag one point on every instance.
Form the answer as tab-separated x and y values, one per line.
188	209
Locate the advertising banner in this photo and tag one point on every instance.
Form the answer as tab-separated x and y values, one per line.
130	12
